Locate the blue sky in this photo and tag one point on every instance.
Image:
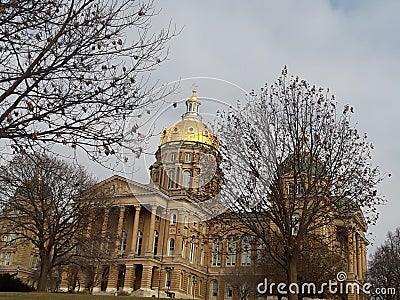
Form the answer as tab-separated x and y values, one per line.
350	46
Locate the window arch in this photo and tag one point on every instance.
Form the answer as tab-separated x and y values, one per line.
246	251
139	243
155	242
186	179
171	247
214	288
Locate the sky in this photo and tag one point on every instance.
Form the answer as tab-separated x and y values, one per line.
229	47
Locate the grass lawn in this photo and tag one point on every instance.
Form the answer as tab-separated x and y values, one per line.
51	296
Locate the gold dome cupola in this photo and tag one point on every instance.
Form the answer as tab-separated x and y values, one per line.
192	107
190	130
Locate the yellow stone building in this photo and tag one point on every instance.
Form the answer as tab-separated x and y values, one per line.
165	246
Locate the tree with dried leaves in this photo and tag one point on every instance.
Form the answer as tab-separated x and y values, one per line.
384	268
295	166
42	203
77	73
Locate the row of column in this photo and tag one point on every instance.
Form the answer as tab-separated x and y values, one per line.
357	256
135	228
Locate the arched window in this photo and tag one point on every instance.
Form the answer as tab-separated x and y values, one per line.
171	247
231	253
229	290
171	179
214	288
139	243
246	251
155	242
124	237
186	179
181	280
173	219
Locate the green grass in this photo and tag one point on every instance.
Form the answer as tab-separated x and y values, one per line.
60	296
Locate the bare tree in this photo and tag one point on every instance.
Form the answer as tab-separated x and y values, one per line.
384	268
293	164
43	203
77	73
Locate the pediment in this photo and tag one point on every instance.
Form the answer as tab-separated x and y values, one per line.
119	186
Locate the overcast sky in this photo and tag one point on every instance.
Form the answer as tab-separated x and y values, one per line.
229	47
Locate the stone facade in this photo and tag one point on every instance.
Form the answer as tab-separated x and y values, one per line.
165	246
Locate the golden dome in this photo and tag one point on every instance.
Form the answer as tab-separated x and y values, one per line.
190	128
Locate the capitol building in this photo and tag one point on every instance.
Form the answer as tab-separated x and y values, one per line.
166	245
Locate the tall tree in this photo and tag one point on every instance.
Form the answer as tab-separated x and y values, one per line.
384	268
39	203
294	166
77	72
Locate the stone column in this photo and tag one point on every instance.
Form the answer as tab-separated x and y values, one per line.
147	277
135	229
129	278
119	228
350	255
150	240
363	260
355	254
104	226
359	258
179	234
161	235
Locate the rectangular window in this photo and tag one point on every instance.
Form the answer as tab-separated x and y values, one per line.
216	255
168	279
231	254
191	252
8	258
188	157
173	156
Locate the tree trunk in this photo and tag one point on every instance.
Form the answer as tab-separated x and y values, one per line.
44	274
292	276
